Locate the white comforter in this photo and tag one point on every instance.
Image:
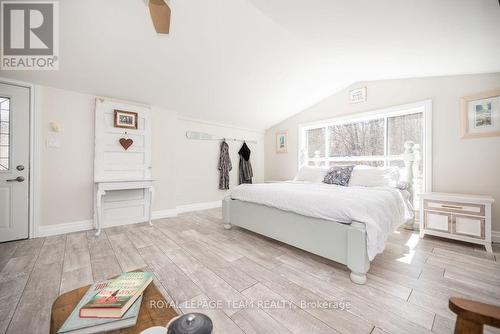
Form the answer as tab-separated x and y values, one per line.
381	209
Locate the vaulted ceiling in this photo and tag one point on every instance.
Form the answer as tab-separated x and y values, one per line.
253	63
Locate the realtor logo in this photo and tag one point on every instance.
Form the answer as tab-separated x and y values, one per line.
30	35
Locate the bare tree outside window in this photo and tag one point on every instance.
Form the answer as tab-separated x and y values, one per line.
401	129
404	128
357	139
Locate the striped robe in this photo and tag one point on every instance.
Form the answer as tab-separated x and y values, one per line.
225	166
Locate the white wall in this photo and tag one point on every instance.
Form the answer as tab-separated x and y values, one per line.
66	187
186	171
198	178
163	138
459	165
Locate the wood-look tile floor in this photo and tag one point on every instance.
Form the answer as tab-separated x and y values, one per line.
272	287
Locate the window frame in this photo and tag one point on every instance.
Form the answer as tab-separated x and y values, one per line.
424	107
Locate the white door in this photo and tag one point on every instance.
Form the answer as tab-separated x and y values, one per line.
14	162
114	163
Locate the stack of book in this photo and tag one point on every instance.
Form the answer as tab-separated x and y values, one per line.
108	305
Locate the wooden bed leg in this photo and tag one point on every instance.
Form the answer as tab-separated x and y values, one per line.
357	257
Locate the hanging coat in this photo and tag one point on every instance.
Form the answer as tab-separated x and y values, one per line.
245	172
225	166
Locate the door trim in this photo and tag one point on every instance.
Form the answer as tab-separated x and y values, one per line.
34	157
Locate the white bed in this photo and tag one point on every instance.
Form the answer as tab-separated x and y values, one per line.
346	224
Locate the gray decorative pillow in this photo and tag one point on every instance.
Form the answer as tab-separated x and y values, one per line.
339	175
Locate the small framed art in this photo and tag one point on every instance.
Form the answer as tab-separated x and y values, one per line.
282	142
125	119
480	114
357	95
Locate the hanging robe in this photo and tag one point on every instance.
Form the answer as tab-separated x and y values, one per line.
245	172
225	166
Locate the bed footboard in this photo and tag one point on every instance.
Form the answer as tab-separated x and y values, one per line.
343	243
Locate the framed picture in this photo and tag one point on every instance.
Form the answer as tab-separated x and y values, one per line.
480	114
357	95
282	142
125	119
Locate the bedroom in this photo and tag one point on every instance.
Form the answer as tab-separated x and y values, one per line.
127	125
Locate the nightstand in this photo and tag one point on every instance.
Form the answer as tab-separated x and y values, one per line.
457	216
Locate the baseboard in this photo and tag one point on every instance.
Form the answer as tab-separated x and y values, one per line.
164	213
85	225
78	226
199	206
495	237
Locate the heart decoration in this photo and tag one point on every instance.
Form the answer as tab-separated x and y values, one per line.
126	142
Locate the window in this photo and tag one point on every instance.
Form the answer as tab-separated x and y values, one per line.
4	133
376	139
376	142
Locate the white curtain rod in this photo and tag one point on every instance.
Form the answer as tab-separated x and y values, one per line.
206	136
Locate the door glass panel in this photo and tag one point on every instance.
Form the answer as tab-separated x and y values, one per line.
4	133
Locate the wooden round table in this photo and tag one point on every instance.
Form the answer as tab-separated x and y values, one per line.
148	316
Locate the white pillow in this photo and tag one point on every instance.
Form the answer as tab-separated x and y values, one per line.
311	174
367	176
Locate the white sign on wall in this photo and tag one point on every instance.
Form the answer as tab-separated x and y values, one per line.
357	95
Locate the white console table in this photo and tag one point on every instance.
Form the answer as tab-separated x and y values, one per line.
109	185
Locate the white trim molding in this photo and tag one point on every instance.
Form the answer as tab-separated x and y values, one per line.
168	213
56	229
198	206
495	237
86	225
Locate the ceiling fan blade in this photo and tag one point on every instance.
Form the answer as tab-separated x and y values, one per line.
160	15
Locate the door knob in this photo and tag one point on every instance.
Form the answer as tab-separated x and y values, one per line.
17	179
20	167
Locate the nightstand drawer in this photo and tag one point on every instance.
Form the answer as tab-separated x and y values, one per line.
466	208
438	221
468	226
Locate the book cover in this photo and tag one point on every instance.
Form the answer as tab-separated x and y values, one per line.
117	296
75	324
